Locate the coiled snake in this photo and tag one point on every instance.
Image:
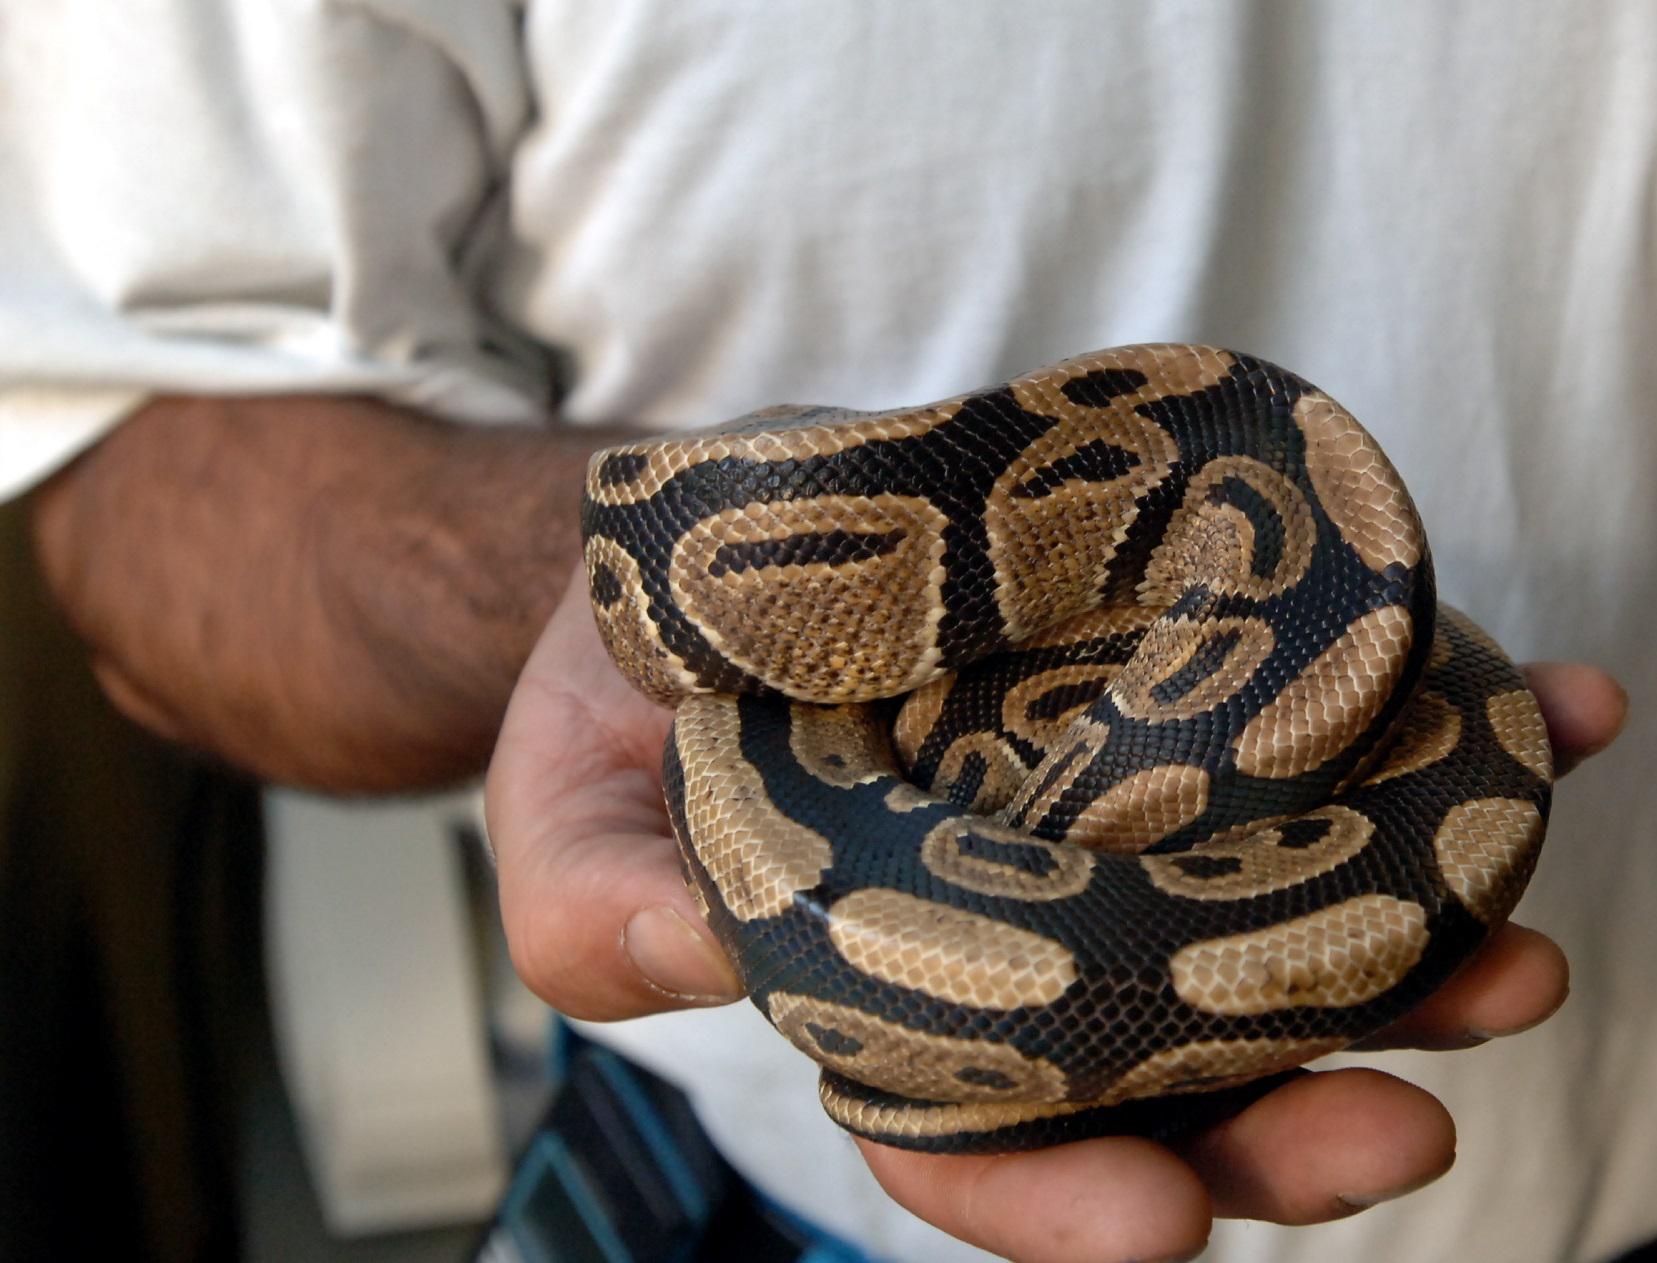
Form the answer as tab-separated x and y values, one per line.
1194	781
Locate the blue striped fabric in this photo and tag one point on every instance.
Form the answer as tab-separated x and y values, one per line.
619	1171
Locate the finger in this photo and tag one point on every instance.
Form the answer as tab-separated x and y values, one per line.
1516	980
1324	1146
597	916
1095	1201
601	927
1584	708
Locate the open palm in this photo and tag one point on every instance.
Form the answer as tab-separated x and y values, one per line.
602	927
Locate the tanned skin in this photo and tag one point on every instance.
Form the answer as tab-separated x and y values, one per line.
330	592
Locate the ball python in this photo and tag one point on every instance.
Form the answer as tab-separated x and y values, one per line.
1081	744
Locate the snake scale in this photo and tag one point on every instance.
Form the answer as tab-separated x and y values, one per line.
1085	740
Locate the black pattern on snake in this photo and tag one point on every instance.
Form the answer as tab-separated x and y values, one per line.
1192	779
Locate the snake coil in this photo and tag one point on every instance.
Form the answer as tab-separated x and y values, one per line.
1192	780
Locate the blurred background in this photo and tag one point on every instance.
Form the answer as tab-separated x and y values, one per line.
223	1034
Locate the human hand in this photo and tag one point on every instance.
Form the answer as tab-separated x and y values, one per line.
597	917
601	926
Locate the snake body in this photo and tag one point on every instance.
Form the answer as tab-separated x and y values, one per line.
1193	780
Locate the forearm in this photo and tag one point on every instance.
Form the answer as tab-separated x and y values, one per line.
326	591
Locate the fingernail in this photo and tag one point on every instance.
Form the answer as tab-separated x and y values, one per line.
1363	1201
676	959
1483	1034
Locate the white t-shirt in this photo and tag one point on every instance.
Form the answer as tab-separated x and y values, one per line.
1443	215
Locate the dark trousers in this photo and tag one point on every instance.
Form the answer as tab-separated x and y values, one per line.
126	870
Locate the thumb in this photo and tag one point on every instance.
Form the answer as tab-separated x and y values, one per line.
601	927
597	917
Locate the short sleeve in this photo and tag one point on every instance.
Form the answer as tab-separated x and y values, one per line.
251	196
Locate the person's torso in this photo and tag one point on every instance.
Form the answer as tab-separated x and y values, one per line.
1440	215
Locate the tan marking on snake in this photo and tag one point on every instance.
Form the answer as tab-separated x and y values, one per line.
1071	532
1053	871
1004	772
1141	809
1517	722
757	858
1170	646
1086	739
1220	1063
839	745
625	625
887	1055
1324	709
1022	700
846	631
1341	955
1206	1065
1430	731
1248	828
956	956
904	797
1358	487
918	716
1486	850
1258	864
1214	542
